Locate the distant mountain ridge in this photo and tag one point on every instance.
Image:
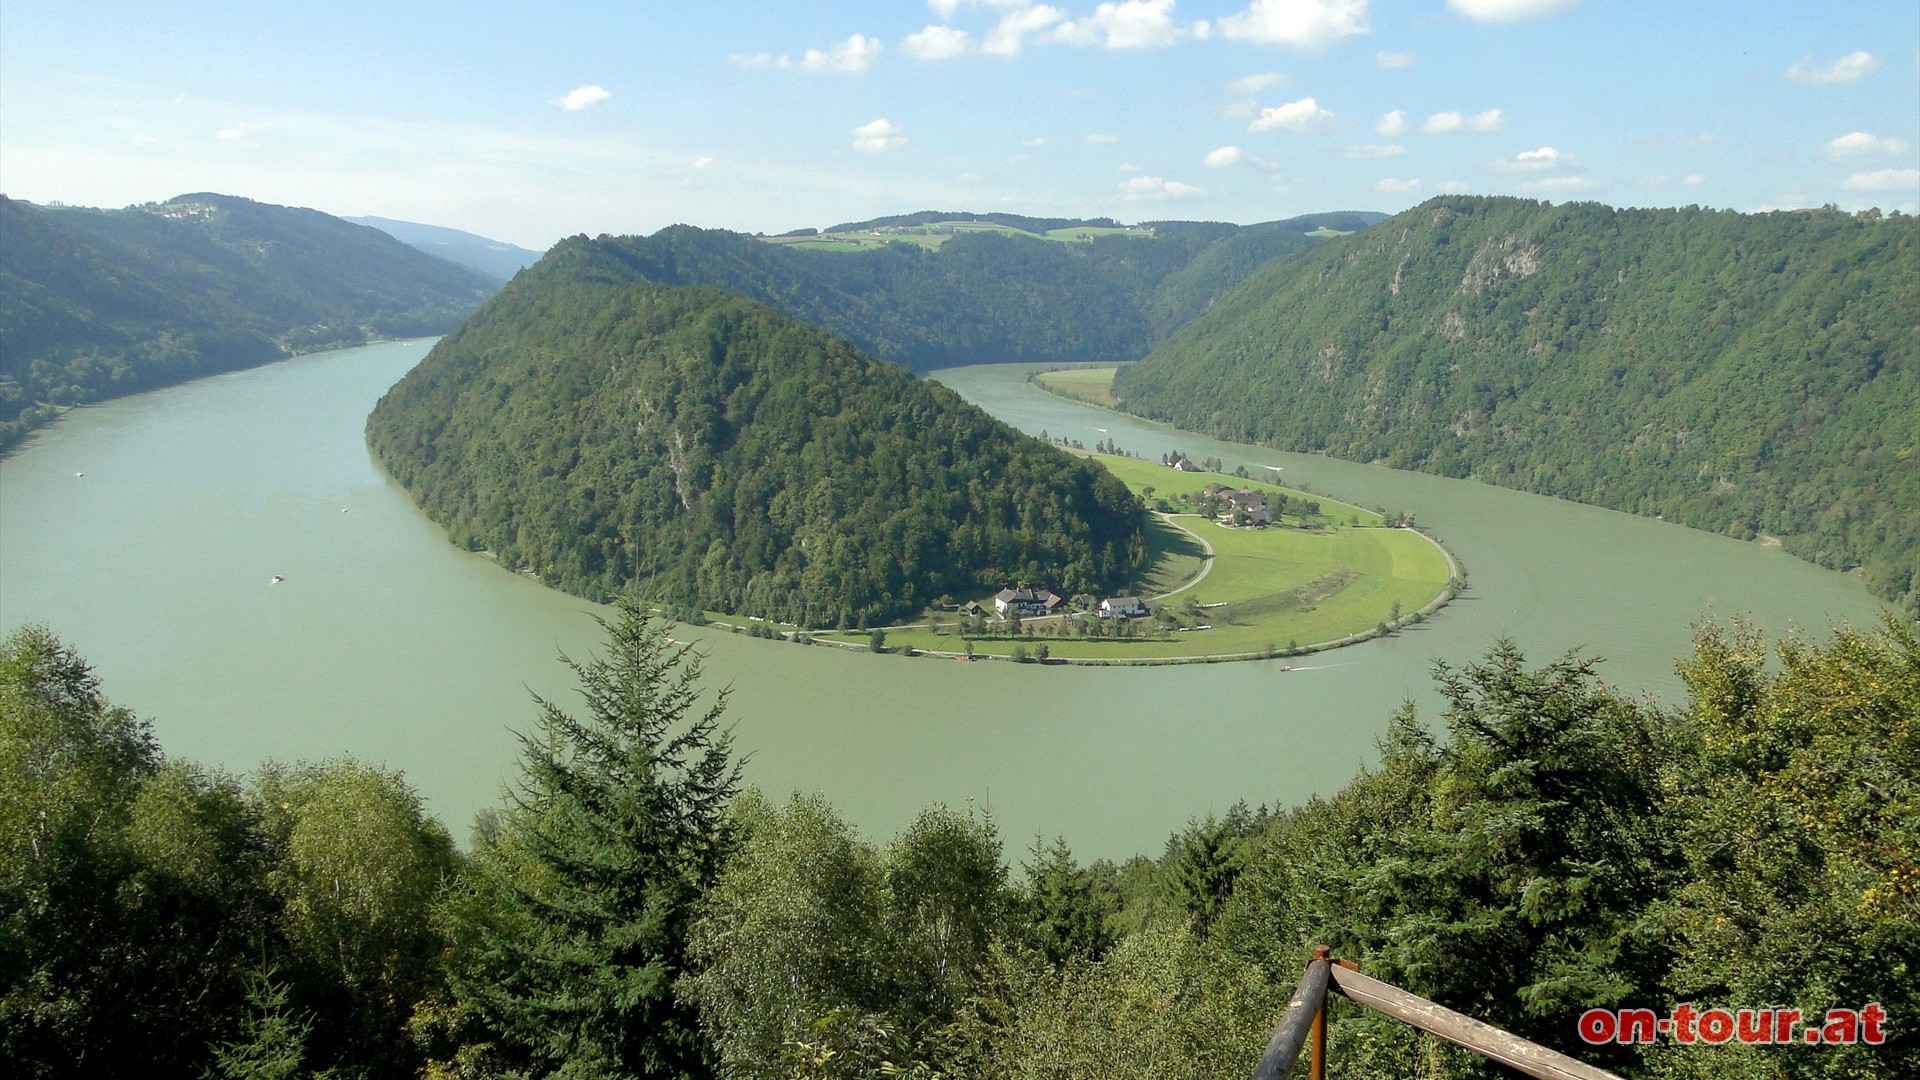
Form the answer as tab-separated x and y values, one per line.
1011	221
607	432
99	303
1757	375
980	297
496	259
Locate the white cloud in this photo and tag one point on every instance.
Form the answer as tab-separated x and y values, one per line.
1885	180
937	43
879	135
943	8
1510	10
1129	24
582	97
1152	187
1454	187
1393	125
702	162
1253	84
1300	116
1127	167
232	134
1850	68
1387	151
1393	60
1102	138
1305	24
1447	122
1533	161
1224	158
852	56
970	178
1009	35
1554	184
1393	186
1033	143
1694	178
1240	110
1860	145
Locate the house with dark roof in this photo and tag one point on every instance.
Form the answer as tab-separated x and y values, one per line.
1026	602
1251	503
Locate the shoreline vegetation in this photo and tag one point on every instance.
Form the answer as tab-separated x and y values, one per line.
632	907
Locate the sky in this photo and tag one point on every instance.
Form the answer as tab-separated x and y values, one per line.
528	123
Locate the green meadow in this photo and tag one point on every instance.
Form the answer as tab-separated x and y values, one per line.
1230	592
1091	385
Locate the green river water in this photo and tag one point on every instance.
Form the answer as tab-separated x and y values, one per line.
385	642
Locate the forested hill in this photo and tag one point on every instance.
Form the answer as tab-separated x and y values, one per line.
99	303
980	297
602	432
496	259
1748	374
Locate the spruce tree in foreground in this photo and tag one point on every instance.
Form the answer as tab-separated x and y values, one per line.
578	909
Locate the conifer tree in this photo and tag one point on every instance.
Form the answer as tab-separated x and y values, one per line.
581	905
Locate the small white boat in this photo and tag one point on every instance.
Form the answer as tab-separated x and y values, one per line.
79	474
277	579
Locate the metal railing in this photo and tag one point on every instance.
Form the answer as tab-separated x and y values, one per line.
1306	1020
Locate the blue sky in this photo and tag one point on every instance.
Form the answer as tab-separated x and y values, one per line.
531	123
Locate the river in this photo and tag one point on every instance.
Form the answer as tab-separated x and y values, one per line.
148	533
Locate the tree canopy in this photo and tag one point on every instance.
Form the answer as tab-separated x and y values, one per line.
719	455
1552	845
981	297
1757	375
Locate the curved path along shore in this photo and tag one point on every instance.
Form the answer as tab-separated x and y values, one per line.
1206	565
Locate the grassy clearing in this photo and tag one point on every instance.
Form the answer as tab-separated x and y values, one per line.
1091	385
1175	558
936	233
1324	233
1089	232
1264	591
1140	474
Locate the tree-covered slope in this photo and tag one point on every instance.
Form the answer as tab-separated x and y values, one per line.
1748	374
980	297
99	303
601	432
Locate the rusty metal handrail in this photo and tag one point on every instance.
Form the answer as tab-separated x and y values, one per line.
1307	1015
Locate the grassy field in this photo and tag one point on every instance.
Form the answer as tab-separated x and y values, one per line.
1140	474
1307	582
934	234
1091	385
